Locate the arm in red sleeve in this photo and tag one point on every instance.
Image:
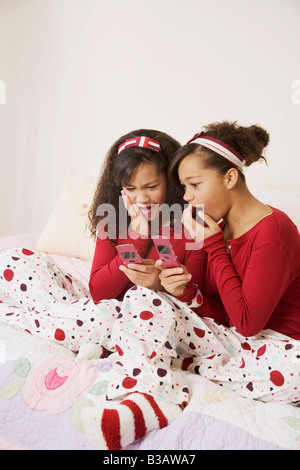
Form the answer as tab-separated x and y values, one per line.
106	279
202	305
194	296
195	262
251	301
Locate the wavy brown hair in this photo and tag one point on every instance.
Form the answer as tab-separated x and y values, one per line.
118	169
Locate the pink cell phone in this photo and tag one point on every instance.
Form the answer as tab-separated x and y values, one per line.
129	254
166	252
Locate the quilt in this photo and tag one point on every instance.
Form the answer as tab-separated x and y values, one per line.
45	391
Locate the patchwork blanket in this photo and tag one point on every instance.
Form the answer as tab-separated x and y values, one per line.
47	392
45	389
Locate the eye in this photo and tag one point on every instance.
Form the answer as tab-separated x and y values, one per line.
195	185
152	187
129	189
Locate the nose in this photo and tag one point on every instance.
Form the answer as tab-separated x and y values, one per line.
142	198
187	196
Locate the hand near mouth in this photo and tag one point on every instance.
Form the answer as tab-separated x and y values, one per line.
139	221
199	231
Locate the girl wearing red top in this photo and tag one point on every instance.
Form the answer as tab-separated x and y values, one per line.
253	261
251	266
126	209
134	180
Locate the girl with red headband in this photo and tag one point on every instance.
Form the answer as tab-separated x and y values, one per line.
234	320
252	278
253	266
253	261
134	179
60	308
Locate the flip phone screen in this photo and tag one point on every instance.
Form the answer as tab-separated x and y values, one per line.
129	254
166	252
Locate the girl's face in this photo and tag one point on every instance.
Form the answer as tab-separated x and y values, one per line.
203	186
146	187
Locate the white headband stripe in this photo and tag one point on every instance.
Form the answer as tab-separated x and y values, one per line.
126	144
140	141
223	151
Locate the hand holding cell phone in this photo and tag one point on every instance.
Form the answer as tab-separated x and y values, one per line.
140	272
174	277
174	280
165	252
129	254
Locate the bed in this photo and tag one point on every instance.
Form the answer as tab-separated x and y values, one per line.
38	414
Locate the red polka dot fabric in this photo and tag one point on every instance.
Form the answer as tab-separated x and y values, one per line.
152	337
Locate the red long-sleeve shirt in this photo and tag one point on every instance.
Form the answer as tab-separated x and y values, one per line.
108	282
253	284
258	277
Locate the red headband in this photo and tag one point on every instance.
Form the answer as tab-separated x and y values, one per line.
140	141
219	147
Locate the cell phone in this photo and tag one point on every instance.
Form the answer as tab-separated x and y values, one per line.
166	252
129	254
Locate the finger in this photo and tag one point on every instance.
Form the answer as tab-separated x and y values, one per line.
125	198
187	213
149	261
130	207
123	269
169	272
177	283
139	213
133	211
182	279
201	218
143	268
194	227
210	226
132	275
187	218
159	264
207	219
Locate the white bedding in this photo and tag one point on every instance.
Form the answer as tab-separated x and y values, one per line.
214	419
75	266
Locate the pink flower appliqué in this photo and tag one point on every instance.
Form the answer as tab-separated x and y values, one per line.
55	383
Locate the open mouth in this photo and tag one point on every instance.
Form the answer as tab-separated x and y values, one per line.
145	209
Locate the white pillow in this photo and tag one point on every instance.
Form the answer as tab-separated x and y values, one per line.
281	197
66	232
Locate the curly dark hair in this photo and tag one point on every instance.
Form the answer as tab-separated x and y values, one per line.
118	169
248	141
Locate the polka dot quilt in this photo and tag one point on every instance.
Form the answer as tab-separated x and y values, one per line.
46	389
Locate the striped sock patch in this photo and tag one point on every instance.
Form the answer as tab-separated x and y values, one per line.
116	428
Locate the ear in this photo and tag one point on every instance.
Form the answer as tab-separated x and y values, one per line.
231	178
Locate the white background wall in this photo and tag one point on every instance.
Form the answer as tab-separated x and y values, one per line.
79	73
